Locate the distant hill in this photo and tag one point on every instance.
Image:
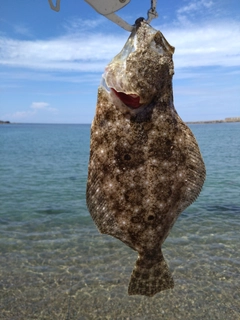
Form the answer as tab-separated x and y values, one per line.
4	122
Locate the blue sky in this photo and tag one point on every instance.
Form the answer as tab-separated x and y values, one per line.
51	63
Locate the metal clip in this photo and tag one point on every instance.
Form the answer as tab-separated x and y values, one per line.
108	9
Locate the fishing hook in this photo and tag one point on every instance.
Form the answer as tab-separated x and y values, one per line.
56	7
152	12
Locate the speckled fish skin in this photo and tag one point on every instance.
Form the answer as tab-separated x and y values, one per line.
145	166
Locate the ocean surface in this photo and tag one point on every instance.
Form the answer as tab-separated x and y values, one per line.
54	264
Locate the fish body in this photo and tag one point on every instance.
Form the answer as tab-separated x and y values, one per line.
145	166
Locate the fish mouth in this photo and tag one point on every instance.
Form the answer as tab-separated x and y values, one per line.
130	100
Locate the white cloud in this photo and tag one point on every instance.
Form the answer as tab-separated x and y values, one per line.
30	75
196	11
78	25
209	45
64	53
201	45
28	115
194	6
22	30
53	110
20	115
39	105
42	106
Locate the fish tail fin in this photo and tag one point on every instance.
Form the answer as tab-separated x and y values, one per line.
150	276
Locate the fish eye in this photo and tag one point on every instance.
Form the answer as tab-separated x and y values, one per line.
150	217
127	157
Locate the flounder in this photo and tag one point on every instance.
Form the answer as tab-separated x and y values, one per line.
145	165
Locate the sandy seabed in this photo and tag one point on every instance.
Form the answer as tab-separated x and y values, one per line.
96	288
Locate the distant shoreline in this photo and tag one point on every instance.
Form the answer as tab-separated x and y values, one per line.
226	120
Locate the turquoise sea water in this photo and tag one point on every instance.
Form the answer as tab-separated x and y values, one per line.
55	265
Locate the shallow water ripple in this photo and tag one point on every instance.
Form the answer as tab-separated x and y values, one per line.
55	264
